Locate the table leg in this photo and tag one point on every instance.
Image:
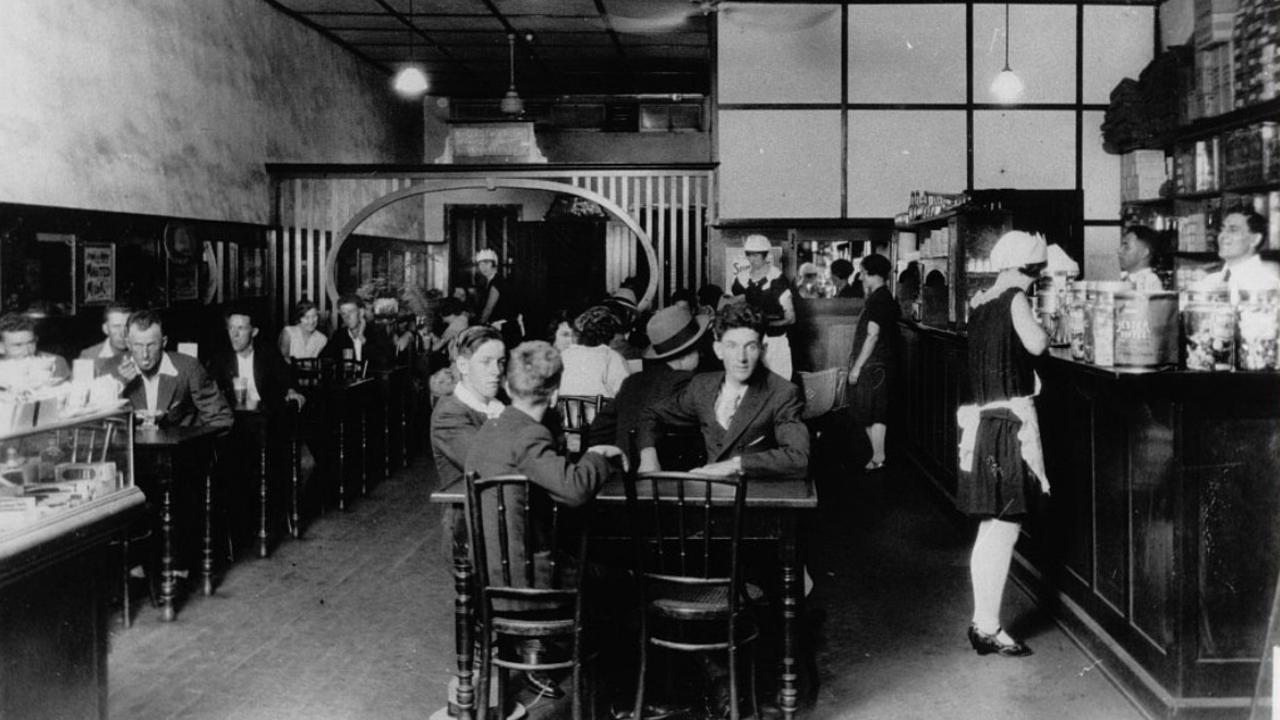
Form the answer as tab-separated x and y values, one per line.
792	598
462	613
262	498
206	558
404	425
295	515
386	434
364	446
168	583
342	458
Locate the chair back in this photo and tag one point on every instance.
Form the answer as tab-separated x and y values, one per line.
576	415
351	369
823	391
91	443
686	529
515	531
307	372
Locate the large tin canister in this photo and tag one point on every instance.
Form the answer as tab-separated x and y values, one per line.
1208	329
1146	328
1077	323
1101	333
1258	328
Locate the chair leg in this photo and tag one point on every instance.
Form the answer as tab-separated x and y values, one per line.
482	682
124	584
755	690
733	681
638	710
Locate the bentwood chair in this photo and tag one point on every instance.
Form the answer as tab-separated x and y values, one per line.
577	412
307	372
824	393
530	602
686	530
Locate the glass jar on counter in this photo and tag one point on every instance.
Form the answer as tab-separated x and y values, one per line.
1077	322
1208	329
1258	327
1101	327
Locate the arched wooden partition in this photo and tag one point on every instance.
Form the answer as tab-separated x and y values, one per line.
489	183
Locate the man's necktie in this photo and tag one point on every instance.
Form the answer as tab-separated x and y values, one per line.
727	406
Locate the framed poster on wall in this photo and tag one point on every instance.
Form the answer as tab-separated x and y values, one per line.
253	271
98	284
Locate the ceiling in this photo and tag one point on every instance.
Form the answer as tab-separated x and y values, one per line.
563	47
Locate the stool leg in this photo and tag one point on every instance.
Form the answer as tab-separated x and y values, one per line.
124	585
263	539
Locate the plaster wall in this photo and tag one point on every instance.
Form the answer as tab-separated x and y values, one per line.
172	108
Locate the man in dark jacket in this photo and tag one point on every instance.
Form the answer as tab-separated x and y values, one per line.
365	340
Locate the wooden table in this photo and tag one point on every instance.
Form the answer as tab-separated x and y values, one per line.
257	424
335	398
155	449
773	512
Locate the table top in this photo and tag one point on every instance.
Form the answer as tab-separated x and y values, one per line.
169	437
790	494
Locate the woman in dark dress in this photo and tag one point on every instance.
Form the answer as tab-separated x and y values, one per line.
875	355
1002	466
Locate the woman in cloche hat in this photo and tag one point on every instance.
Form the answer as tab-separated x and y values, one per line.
768	290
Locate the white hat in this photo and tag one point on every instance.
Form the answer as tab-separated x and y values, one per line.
487	255
1016	248
808	269
757	243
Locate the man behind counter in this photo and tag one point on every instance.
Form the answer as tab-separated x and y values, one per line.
18	338
1137	254
1239	241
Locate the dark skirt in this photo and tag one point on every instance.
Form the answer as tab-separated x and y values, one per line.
1000	484
869	397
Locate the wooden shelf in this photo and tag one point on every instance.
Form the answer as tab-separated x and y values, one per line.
1204	195
1207	127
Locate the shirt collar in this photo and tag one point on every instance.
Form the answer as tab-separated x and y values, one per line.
166	366
107	351
490	409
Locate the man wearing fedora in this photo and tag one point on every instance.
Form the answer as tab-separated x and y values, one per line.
670	360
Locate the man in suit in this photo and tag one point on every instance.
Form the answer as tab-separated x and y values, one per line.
750	417
675	335
170	383
268	387
365	341
109	356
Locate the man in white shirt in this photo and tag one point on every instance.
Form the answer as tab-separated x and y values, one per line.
18	339
1137	254
1239	241
365	341
171	384
111	355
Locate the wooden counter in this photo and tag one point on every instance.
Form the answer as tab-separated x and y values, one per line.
1160	546
54	594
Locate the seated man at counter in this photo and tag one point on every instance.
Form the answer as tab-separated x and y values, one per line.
750	417
108	356
1138	251
257	370
362	339
676	335
170	384
1239	241
18	338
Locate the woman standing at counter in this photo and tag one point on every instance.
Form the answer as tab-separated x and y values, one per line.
1000	431
875	345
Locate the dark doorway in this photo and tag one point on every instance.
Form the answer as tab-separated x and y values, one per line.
558	265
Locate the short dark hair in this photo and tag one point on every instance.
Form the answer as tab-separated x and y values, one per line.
17	322
553	325
120	308
144	319
710	295
533	371
1257	223
685	294
351	299
738	315
300	309
470	340
451	306
1149	237
239	310
597	325
877	265
842	269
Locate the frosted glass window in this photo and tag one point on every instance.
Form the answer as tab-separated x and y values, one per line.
1100	246
1025	149
779	54
906	53
1101	172
1117	44
1042	51
779	163
892	153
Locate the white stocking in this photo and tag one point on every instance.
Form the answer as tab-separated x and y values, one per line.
989	568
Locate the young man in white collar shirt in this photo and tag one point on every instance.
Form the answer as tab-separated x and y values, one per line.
750	417
265	375
111	355
366	341
1239	240
1137	254
171	384
18	340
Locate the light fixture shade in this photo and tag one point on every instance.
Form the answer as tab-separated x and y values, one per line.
1007	87
511	103
410	81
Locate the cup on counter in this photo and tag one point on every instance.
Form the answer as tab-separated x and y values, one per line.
241	387
149	419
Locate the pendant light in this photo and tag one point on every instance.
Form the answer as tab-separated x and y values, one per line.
411	81
511	103
1007	87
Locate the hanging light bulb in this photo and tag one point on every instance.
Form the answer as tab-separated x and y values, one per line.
511	103
1007	86
410	81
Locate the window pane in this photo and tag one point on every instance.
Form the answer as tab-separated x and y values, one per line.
1100	246
1042	51
1101	173
765	54
1026	149
906	53
892	153
768	169
1117	44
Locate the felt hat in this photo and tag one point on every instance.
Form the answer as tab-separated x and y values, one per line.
1016	248
624	298
757	243
672	331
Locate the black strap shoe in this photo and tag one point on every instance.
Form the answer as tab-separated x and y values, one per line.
986	644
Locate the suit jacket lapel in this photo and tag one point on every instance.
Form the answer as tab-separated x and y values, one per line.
165	391
750	406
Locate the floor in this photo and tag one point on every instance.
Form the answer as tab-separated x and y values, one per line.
355	621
